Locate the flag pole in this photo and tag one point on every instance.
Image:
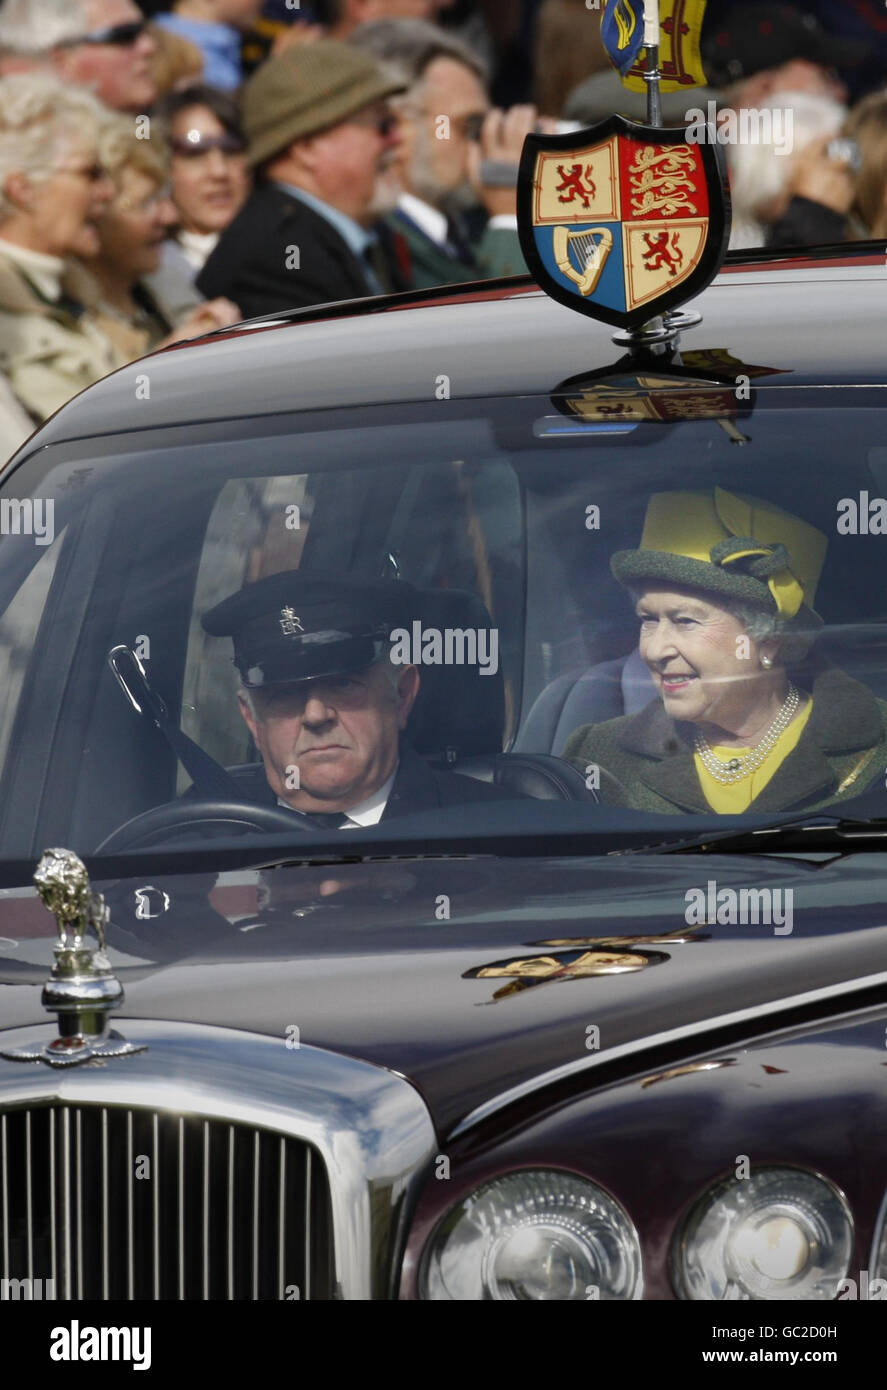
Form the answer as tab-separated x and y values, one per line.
652	74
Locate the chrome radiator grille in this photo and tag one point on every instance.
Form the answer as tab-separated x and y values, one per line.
108	1203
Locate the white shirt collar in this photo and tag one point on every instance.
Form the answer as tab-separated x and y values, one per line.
45	272
368	812
428	219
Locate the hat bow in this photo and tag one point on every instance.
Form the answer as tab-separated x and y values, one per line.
770	560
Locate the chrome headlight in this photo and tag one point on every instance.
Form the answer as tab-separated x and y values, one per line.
534	1235
779	1234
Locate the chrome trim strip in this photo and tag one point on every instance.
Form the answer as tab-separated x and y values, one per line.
53	1257
65	1203
156	1176
79	1151
645	1044
4	1174
370	1128
29	1204
106	1257
130	1218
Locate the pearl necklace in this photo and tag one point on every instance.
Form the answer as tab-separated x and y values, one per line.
736	768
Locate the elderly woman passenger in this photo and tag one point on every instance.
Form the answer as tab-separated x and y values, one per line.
53	192
724	587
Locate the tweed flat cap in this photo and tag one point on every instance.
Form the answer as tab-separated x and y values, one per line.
306	89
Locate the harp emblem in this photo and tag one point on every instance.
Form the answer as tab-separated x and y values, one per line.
582	255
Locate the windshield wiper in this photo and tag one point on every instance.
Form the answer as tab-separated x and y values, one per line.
799	832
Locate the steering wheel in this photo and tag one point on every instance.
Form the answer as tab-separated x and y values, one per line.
154	826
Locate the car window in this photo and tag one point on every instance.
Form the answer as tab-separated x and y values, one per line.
453	525
18	628
581	691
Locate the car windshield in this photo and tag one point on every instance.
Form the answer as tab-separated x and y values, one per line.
730	661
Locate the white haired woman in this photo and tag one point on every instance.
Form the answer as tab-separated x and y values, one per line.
53	191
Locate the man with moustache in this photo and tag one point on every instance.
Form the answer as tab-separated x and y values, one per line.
319	132
326	706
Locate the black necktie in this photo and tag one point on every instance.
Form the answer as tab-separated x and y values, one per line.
379	276
326	820
458	238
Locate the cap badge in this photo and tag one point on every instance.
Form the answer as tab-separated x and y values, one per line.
290	622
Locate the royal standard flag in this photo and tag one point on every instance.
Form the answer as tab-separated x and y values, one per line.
680	29
622	31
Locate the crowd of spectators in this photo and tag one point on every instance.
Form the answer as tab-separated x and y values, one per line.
169	168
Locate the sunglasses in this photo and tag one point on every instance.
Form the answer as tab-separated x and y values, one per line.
384	122
195	144
121	35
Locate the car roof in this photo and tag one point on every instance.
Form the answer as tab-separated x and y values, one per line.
818	317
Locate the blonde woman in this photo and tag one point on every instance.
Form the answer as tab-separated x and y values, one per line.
867	124
139	308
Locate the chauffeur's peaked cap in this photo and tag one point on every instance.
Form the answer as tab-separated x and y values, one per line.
297	626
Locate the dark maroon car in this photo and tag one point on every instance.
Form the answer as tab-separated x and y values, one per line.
549	1046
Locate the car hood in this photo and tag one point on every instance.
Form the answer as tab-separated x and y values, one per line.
471	976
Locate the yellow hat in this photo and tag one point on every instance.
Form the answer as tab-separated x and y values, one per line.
728	543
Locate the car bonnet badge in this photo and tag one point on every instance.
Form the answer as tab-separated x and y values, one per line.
81	989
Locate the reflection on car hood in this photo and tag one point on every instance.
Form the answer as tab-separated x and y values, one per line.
472	975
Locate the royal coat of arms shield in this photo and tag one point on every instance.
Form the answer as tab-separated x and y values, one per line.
622	221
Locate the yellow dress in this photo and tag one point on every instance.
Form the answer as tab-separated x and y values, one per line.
732	798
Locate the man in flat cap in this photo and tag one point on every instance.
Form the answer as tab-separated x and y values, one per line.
325	704
319	132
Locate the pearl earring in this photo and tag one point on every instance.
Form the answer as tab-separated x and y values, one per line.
766	662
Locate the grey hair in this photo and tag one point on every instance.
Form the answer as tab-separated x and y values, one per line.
407	47
39	116
794	635
31	27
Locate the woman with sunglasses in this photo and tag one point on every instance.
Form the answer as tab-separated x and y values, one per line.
53	192
209	177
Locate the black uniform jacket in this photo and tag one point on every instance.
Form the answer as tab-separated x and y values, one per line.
254	261
417	787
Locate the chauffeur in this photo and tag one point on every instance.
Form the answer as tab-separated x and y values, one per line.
324	703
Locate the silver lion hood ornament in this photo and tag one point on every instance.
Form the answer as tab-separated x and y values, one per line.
81	989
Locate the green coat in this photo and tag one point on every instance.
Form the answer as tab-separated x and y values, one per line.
497	253
652	756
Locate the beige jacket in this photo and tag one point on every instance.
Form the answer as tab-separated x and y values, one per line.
49	352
